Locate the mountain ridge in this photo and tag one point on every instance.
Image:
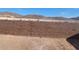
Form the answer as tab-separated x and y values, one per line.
34	16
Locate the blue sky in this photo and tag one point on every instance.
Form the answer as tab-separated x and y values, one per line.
66	12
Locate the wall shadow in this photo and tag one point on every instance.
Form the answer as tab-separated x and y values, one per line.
74	40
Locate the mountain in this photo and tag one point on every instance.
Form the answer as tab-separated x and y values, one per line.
9	14
58	18
75	18
34	16
44	17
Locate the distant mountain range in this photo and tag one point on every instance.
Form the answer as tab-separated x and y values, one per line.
15	15
9	14
76	18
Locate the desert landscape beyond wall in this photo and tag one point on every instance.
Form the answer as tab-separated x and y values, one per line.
35	35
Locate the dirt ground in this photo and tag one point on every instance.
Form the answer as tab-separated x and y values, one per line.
12	42
27	35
